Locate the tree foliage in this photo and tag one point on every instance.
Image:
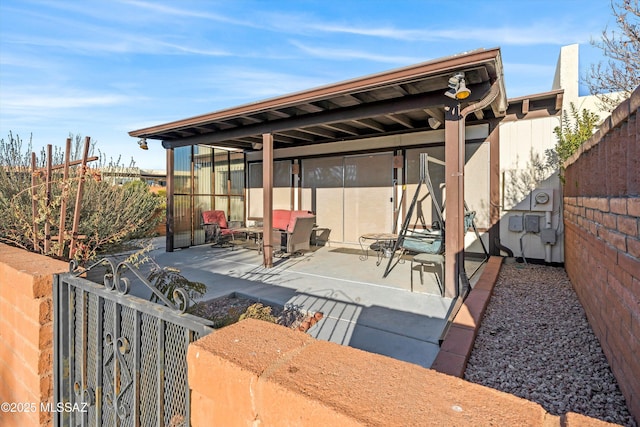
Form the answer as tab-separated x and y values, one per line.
109	214
614	80
577	127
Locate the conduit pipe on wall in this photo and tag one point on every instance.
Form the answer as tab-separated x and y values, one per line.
547	246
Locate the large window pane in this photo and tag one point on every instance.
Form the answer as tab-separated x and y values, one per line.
182	170
323	193
282	195
476	182
202	169
181	221
367	195
237	173
222	172
425	213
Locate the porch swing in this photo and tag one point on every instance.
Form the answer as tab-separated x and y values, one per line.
428	242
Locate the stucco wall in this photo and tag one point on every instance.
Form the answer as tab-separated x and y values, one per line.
259	373
602	240
522	160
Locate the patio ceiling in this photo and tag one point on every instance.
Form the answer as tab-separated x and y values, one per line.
393	102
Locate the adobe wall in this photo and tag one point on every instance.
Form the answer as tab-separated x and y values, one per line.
26	335
259	373
602	241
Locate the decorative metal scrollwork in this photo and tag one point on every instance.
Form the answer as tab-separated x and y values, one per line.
122	379
86	395
114	280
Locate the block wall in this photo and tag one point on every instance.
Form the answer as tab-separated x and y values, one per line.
602	241
26	335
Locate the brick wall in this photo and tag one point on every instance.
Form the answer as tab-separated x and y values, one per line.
602	241
26	334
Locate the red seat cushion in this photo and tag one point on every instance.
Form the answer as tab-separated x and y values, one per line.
215	217
281	218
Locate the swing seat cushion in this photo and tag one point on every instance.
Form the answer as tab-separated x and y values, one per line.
423	242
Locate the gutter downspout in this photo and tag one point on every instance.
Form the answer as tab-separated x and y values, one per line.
454	182
494	90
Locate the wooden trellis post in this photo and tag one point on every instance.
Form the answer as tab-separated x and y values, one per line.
63	202
76	212
48	169
34	201
47	221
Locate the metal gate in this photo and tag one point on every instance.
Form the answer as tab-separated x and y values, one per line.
120	360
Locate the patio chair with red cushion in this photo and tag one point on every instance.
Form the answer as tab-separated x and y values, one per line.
297	236
216	228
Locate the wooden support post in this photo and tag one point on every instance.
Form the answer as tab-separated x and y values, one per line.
454	203
63	202
76	213
170	203
267	199
494	187
34	202
47	221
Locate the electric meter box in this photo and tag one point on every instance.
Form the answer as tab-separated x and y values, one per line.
532	223
542	200
515	223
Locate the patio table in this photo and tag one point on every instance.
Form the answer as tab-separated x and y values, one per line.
256	232
382	243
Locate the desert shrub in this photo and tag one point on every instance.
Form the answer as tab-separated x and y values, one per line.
109	213
260	312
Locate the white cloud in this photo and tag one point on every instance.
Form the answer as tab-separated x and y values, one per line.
349	54
27	99
228	84
540	33
173	12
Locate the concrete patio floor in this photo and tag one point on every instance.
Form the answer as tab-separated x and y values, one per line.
361	308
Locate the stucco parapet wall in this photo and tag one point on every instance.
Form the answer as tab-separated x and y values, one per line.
258	373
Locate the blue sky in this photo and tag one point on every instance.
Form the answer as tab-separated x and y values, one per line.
103	68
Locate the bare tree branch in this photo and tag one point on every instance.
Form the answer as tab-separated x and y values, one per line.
614	80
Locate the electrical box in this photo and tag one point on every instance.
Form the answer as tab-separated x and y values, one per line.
532	223
548	236
542	200
515	223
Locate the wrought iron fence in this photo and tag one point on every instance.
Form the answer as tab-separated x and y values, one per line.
120	360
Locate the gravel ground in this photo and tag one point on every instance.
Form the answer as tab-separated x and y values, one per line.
535	342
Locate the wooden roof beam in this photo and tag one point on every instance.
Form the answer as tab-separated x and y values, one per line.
318	132
342	128
278	114
360	114
295	134
559	99
371	124
403	120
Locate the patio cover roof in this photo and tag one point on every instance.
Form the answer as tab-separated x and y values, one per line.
392	102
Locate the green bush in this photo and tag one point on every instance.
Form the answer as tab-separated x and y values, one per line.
109	213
